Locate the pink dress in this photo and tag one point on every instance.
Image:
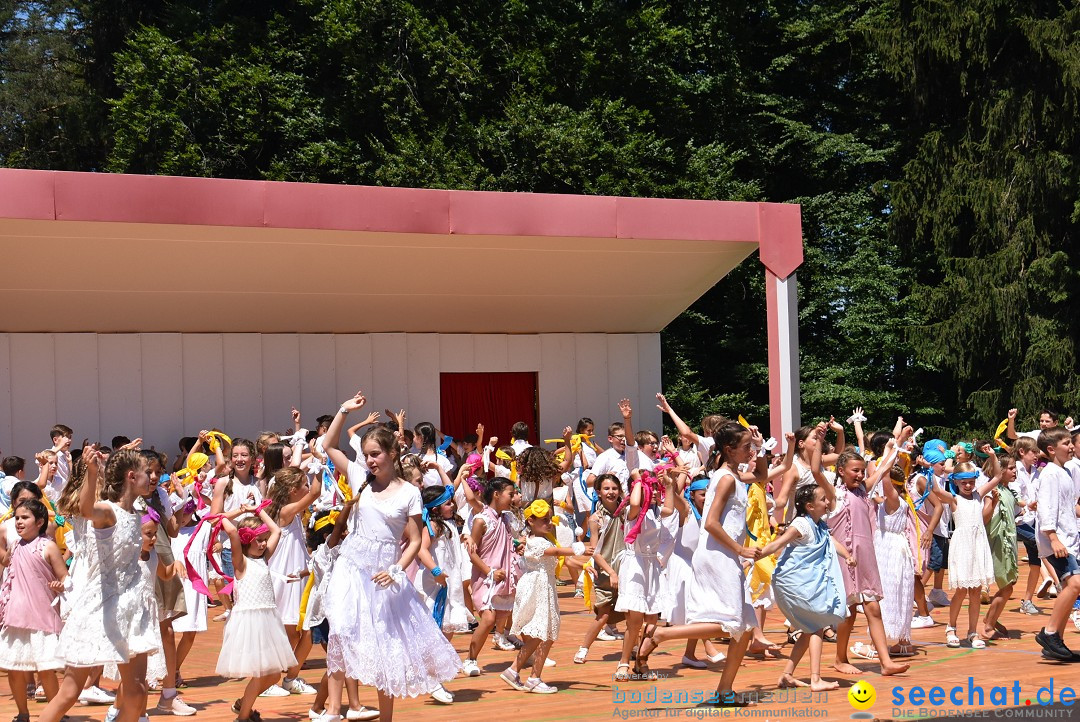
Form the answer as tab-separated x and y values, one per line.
496	548
29	621
853	526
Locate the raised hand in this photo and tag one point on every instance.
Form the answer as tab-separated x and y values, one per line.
372	418
625	409
355	403
295	418
662	403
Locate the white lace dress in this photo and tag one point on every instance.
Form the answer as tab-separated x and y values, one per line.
536	607
970	562
897	570
290	557
112	612
254	643
718	592
383	637
449	554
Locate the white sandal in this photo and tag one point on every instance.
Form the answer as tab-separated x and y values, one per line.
975	641
582	652
863	651
951	640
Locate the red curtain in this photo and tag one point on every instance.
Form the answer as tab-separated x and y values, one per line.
496	400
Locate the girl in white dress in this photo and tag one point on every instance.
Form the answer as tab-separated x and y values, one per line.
971	567
190	533
896	562
536	607
291	492
380	632
442	560
254	644
718	601
111	619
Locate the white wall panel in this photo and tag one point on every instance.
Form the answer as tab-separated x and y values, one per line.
422	351
492	353
204	383
77	385
557	383
33	395
281	379
318	383
120	386
456	353
162	388
649	381
389	375
242	384
6	442
591	379
353	361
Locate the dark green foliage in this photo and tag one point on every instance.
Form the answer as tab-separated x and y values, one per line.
931	148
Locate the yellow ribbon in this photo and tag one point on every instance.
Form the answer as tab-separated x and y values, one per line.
757	521
743	422
575	442
500	454
212	439
999	431
305	596
195	463
587	584
344	488
327	520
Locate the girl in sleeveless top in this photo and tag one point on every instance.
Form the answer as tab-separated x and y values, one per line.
254	644
29	622
607	530
111	618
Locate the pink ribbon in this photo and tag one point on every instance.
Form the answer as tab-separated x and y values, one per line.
194	577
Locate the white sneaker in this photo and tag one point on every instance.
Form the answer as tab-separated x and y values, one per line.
579	593
613	631
938	598
470	668
175	706
1075	617
537	685
95	695
442	696
918	622
503	643
297	686
549	662
312	714
606	636
513	679
112	714
274	691
364	713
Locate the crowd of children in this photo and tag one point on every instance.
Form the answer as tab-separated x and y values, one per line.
382	548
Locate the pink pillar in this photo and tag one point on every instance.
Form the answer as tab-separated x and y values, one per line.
780	243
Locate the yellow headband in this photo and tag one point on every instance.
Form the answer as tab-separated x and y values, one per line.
195	462
212	438
327	520
743	422
539	509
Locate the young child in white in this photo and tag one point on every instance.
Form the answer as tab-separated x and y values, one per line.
254	644
536	607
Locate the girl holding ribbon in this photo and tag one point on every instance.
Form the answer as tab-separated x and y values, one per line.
607	531
536	606
443	563
380	632
971	566
254	644
897	555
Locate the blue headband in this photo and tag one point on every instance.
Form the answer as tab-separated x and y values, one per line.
695	486
447	440
447	495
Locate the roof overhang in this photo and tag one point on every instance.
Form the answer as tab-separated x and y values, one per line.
117	253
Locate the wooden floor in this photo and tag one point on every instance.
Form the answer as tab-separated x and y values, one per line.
588	692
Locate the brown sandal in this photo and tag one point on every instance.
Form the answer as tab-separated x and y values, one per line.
641	661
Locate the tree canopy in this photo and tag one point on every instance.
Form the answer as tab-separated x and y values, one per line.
932	148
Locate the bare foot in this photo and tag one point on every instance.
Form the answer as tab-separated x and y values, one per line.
823	686
758	646
894	669
786	681
847	668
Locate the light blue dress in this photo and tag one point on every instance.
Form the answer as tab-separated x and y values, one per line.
807	582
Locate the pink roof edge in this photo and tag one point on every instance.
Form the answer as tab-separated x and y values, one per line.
123	198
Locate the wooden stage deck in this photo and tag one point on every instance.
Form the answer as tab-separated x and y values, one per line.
588	691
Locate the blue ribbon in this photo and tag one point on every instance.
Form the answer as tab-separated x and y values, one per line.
447	440
447	495
696	486
439	610
590	494
952	478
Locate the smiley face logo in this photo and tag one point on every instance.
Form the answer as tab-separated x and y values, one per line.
862	695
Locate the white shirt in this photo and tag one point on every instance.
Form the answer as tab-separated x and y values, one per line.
431	476
1025	487
1057	510
611	462
704	447
636	459
519	446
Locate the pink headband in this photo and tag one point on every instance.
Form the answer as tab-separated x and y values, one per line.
248	534
151	515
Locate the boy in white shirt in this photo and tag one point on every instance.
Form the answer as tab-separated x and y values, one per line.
1057	537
